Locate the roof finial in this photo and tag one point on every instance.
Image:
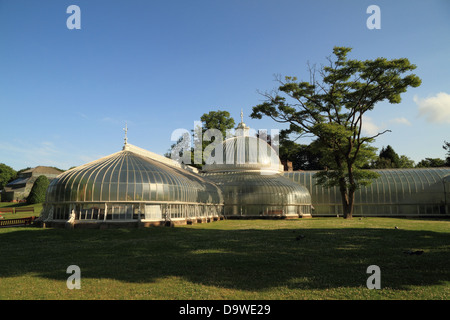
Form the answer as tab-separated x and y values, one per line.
243	129
126	132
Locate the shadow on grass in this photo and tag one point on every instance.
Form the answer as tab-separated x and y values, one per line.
249	259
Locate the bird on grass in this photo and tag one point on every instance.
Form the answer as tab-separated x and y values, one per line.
411	252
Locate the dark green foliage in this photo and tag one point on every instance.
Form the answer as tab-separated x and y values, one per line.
7	174
331	107
38	191
436	162
431	163
303	157
219	120
389	154
446	147
387	158
406	162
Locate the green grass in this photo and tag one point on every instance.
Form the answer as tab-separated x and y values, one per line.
232	259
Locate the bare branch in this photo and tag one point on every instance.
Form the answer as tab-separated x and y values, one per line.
373	137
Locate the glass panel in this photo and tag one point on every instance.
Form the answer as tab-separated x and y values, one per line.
96	192
115	176
123	176
138	192
153	212
122	192
88	192
113	192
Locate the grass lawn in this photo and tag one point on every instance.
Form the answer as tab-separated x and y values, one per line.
231	259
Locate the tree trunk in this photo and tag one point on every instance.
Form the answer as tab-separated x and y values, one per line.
348	199
348	209
348	214
344	195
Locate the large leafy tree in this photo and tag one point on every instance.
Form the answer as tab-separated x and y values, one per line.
330	107
219	120
6	175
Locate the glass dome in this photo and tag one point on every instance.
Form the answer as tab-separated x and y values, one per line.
243	153
248	171
131	184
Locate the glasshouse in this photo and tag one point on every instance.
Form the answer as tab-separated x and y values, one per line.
242	178
133	185
396	192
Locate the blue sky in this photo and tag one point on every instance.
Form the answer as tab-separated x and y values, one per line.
65	95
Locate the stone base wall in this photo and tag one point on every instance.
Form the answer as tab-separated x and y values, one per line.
124	224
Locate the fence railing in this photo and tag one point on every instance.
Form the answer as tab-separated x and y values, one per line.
16	222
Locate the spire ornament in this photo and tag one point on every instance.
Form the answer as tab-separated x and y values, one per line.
126	132
242	127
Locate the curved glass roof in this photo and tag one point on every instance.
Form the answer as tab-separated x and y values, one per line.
411	190
447	178
392	186
129	176
243	153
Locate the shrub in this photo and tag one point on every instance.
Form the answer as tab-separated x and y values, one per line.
38	191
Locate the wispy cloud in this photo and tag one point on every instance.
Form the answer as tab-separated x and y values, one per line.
115	121
369	127
82	115
400	120
435	109
44	153
21	154
109	120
